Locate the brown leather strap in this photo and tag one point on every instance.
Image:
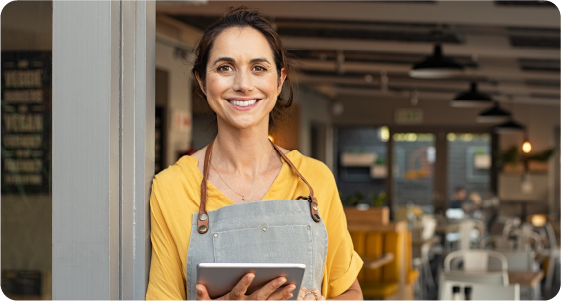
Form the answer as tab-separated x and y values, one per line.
202	221
311	199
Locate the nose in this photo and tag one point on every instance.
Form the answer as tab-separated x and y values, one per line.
243	81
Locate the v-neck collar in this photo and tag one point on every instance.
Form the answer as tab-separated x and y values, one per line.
213	192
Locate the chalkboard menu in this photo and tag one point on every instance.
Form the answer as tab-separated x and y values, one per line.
26	121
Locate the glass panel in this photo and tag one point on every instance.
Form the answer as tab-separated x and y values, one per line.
361	169
413	173
26	150
469	165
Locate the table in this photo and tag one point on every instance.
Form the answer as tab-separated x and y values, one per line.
525	278
432	240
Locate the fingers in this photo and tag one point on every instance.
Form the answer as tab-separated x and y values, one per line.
282	293
238	292
266	291
202	293
301	293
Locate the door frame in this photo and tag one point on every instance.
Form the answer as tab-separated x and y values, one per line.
103	147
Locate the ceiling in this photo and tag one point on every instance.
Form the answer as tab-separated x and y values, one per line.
366	48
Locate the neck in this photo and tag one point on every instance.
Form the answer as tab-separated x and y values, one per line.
248	151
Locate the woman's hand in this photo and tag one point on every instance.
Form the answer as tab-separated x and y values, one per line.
308	294
267	292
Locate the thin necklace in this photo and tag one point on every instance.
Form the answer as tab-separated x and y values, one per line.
254	186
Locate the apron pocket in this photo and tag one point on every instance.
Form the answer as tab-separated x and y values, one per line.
267	244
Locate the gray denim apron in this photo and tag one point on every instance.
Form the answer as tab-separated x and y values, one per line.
277	231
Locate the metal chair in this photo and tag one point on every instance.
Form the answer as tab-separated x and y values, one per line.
475	271
476	261
481	291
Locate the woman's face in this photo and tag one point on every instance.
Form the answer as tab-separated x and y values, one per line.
242	84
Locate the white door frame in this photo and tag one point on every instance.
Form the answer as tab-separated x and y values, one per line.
103	147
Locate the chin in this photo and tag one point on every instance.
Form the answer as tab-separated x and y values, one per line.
245	123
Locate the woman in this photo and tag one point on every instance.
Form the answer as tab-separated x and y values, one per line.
236	200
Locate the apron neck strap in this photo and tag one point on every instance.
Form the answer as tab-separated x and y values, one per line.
202	221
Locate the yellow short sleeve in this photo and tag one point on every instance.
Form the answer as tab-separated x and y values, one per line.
342	264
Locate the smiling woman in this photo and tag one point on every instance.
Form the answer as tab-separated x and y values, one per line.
242	79
243	189
277	56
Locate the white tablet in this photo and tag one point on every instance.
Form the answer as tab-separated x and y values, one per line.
220	278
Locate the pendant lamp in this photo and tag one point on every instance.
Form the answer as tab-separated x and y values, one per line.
494	114
471	99
436	66
510	126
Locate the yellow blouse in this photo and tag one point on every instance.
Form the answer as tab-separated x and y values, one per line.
176	196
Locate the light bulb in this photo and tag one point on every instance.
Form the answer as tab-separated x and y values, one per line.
526	147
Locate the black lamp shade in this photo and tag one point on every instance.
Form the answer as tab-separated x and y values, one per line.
436	66
494	114
472	99
510	126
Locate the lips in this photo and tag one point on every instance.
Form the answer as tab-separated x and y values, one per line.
243	103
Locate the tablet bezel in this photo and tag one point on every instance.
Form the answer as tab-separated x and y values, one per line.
220	278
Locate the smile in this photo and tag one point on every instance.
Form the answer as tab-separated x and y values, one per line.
243	103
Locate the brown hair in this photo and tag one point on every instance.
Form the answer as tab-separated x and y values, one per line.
244	17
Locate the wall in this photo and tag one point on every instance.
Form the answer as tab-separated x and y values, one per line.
179	99
540	120
314	108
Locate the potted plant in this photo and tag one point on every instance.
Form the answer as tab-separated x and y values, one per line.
511	161
361	211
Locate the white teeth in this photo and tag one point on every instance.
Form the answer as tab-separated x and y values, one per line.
240	103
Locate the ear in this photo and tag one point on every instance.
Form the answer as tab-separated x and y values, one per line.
201	84
282	77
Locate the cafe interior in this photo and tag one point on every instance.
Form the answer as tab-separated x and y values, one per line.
440	121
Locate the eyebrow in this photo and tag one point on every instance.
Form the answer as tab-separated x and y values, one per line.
231	60
260	60
225	59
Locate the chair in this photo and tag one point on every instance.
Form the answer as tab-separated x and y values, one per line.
476	261
510	225
380	276
522	261
481	291
423	239
518	261
543	223
463	233
498	242
475	270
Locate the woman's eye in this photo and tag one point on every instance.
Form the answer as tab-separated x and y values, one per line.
224	68
260	68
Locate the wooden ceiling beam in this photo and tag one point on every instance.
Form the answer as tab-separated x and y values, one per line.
483	13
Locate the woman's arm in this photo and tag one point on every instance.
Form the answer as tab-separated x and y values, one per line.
353	293
166	281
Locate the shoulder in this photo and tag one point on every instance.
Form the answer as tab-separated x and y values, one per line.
310	167
181	179
186	165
